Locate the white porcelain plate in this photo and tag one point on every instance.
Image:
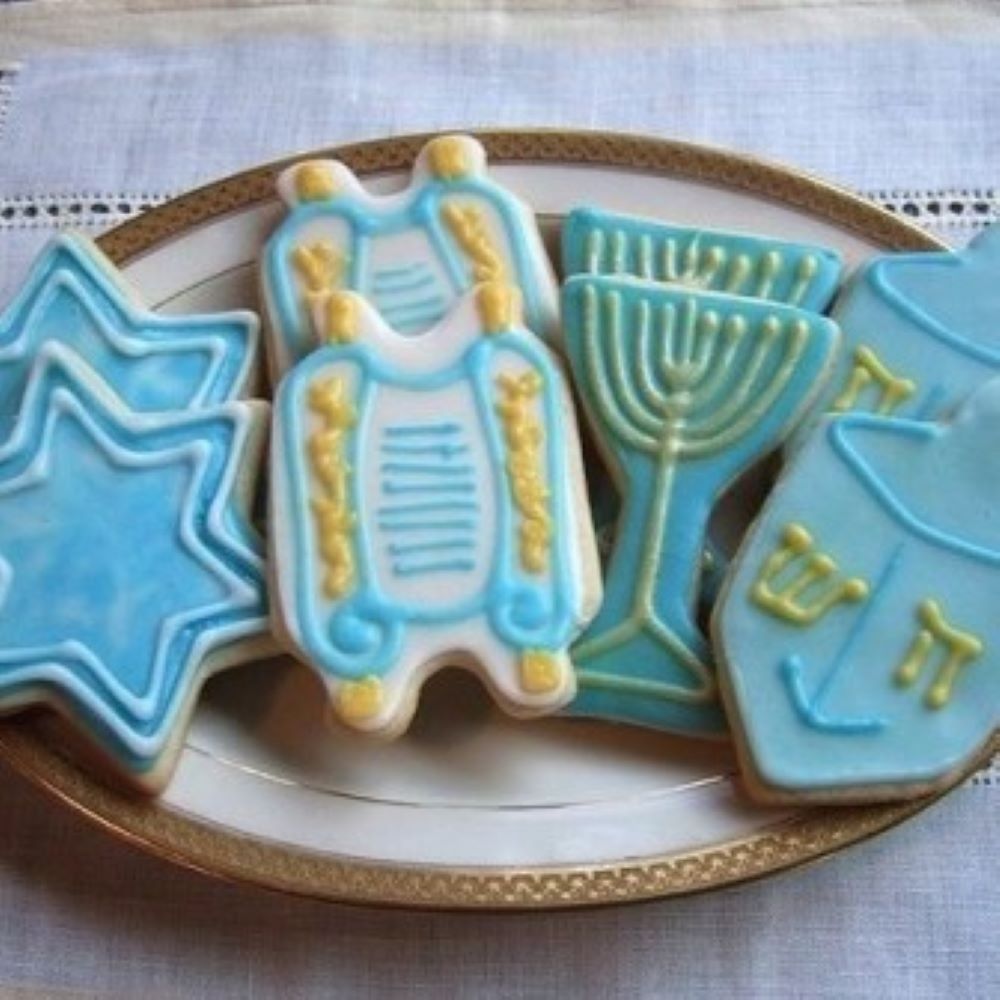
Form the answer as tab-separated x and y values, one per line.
470	808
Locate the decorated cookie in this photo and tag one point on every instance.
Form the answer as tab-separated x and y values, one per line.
128	569
921	331
76	297
799	274
684	390
411	253
858	632
428	509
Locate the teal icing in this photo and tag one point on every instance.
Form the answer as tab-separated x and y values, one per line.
684	390
74	296
820	705
363	633
421	212
126	556
800	274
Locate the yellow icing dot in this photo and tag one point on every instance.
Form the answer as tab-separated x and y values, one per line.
499	306
541	672
314	182
342	318
358	701
446	158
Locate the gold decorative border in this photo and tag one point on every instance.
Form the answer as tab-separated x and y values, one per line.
814	835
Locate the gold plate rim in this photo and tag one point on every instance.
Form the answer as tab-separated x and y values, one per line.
203	847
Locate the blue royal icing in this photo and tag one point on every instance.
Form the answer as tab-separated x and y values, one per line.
75	296
433	526
920	332
400	250
684	391
799	274
128	567
859	650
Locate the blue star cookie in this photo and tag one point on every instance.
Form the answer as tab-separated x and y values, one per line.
129	570
858	632
74	295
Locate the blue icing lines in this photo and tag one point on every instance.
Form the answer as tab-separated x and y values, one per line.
433	490
74	297
409	298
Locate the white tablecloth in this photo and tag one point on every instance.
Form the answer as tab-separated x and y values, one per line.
108	106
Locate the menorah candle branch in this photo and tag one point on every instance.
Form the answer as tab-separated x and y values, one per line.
685	390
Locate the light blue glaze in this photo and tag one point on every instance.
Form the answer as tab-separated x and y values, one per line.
125	556
406	306
154	363
364	632
740	374
909	507
599	242
931	318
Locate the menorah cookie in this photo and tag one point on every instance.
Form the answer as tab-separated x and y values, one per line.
76	297
857	633
129	571
684	390
921	331
412	253
428	509
799	274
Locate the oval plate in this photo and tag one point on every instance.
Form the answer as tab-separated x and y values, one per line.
470	809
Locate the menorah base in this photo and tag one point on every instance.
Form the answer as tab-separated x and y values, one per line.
659	691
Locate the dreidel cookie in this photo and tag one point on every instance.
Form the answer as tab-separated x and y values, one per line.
921	331
129	571
76	297
684	390
799	274
428	509
412	253
858	631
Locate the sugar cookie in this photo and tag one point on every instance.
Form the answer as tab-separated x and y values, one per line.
412	253
858	632
129	571
428	509
75	296
684	390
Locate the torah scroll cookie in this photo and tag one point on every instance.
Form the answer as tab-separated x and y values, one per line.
684	390
921	332
129	570
428	509
412	253
858	633
76	297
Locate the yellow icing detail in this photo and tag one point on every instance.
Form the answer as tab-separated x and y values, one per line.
331	507
961	647
314	182
446	158
524	436
499	307
868	370
468	225
319	265
541	672
342	318
359	700
791	600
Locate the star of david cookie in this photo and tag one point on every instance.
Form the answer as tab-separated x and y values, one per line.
129	571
